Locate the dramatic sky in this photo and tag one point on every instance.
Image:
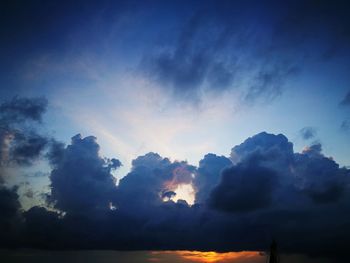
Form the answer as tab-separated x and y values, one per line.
212	126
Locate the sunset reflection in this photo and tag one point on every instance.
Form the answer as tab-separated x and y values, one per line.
208	257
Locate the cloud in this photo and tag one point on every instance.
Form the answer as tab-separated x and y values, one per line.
42	227
275	149
268	83
308	133
309	173
10	216
186	67
208	175
345	125
151	176
20	142
346	100
56	152
81	180
23	109
214	48
27	148
265	191
321	178
244	187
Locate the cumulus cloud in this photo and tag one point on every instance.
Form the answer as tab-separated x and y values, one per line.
265	191
42	227
321	178
208	175
309	173
10	217
271	185
244	187
20	145
81	180
274	149
150	177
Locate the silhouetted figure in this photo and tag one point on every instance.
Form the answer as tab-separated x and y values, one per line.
273	258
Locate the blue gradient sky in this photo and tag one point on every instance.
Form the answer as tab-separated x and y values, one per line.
90	61
178	78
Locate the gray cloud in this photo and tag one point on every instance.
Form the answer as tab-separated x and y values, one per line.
244	187
346	100
20	142
23	109
266	190
81	180
208	175
308	133
150	177
10	217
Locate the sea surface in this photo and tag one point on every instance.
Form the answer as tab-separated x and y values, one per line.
102	256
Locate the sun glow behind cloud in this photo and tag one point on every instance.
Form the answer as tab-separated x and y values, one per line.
184	192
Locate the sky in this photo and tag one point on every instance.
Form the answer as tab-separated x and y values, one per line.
210	126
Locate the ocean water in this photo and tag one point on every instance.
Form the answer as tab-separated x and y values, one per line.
101	256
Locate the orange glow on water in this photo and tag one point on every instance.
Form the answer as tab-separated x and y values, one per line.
211	256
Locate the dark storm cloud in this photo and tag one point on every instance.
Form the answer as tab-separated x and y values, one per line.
208	175
244	187
267	191
309	173
42	227
20	144
56	152
240	202
81	180
307	190
322	178
308	133
10	217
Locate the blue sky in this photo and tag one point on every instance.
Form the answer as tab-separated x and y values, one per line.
90	61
